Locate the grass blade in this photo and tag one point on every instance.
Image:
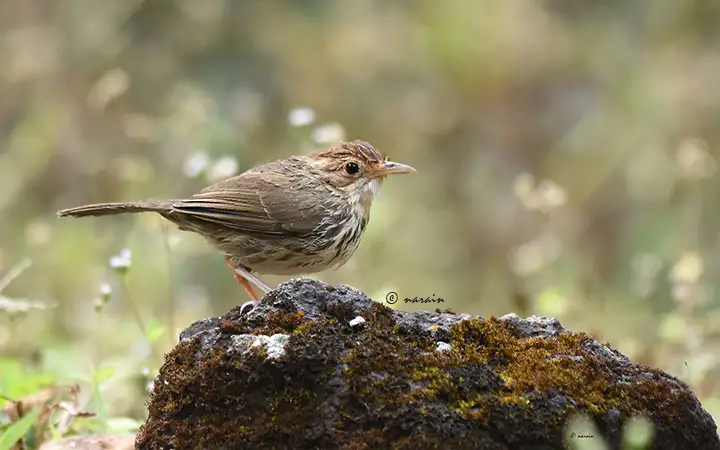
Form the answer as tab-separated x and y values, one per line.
17	430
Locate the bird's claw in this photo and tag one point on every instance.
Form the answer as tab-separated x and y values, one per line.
250	304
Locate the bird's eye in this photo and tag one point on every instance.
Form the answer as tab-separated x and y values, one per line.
352	168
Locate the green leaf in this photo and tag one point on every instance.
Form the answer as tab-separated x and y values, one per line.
16	382
11	375
103	374
17	430
100	409
154	331
122	424
78	376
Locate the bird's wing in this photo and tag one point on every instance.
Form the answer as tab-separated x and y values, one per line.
268	204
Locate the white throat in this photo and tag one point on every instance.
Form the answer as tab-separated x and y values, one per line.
363	199
372	189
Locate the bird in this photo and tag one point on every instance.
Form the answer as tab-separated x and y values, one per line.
293	216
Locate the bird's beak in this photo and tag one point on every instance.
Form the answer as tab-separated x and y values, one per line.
392	168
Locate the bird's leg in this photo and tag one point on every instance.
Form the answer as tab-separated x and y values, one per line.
245	273
242	281
246	280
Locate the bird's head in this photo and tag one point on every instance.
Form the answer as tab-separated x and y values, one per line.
356	168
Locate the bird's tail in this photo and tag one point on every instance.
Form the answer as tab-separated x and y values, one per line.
105	209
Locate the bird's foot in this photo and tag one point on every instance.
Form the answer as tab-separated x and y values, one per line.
249	304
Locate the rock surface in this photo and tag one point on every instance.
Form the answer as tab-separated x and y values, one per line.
301	371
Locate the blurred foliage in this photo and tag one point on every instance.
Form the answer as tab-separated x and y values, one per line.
566	154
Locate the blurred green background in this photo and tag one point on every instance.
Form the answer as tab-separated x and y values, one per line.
566	155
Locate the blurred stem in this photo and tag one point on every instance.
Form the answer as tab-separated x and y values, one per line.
693	215
171	290
138	318
14	272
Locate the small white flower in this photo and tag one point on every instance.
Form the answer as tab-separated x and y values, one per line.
688	269
300	117
545	196
328	134
694	159
117	262
196	164
553	194
105	292
224	167
122	261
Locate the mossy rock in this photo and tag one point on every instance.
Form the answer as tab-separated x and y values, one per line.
298	372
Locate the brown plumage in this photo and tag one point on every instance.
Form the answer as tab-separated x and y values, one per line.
292	216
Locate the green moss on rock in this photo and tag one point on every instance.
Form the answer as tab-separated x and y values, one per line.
400	380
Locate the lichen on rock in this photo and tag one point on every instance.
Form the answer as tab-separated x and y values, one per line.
302	371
